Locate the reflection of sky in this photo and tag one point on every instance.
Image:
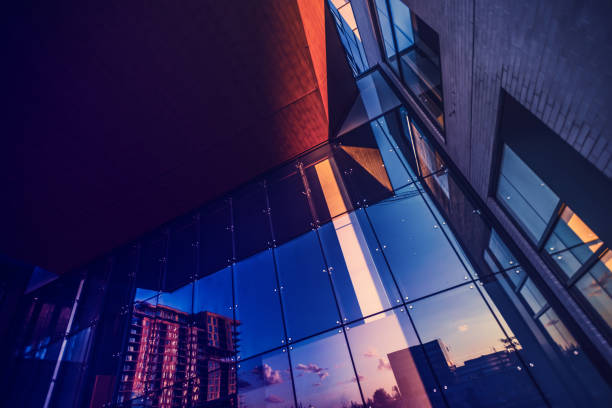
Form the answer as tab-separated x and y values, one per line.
420	255
370	350
265	381
323	374
461	320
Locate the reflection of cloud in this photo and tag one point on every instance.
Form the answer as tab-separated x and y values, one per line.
274	399
382	365
463	328
314	369
268	375
372	352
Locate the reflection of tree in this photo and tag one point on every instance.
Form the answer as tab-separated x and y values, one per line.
382	399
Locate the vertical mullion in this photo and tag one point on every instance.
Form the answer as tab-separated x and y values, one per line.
278	291
416	332
559	207
397	55
231	262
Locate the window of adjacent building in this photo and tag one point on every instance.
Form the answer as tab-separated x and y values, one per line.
349	35
563	238
412	48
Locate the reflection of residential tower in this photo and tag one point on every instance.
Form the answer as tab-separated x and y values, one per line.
188	359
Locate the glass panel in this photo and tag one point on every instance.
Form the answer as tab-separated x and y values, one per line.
213	296
532	296
361	287
251	224
402	24
588	388
419	254
152	264
397	170
525	196
571	243
258	314
265	381
386	31
308	299
49	313
360	161
71	372
290	211
92	296
473	360
429	161
29	382
501	252
323	373
215	238
122	277
596	287
393	370
181	253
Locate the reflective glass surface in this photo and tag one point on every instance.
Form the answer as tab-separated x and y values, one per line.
571	243
265	381
596	287
258	314
392	368
420	256
322	372
528	199
376	304
469	353
307	295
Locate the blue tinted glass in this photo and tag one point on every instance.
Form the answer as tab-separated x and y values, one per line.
419	254
290	211
402	24
385	27
571	243
152	262
596	287
213	293
258	314
178	301
252	231
215	238
392	368
92	295
461	337
397	170
362	288
307	295
323	373
532	296
501	252
525	195
181	265
70	374
586	385
265	381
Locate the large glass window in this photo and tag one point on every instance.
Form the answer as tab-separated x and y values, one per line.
308	299
412	49
349	35
258	314
569	245
265	381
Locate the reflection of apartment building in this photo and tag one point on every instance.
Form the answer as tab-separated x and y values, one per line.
185	359
482	380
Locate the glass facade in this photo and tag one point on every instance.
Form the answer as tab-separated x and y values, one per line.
412	49
342	11
360	274
580	258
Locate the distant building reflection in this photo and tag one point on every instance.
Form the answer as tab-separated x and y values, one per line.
186	359
479	382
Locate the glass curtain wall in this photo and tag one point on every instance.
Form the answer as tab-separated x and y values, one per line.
342	11
359	275
412	49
